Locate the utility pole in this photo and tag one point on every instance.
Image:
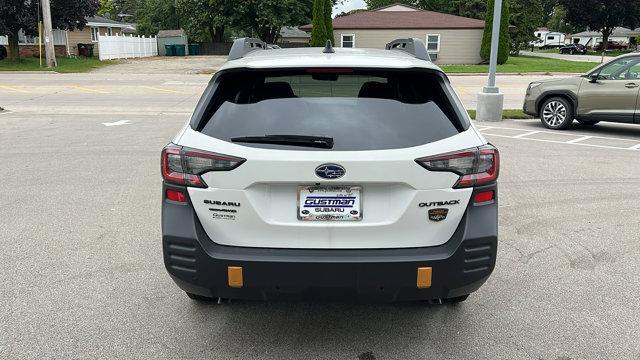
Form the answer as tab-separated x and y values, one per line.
48	35
490	100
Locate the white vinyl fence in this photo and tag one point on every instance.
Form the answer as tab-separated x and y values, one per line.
126	47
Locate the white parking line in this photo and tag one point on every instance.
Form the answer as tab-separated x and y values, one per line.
565	133
117	123
526	134
579	139
567	143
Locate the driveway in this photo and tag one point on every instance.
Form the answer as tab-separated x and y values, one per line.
166	65
578	58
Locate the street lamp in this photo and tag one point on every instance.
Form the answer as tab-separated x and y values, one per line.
490	100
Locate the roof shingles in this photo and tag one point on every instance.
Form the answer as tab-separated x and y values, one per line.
403	20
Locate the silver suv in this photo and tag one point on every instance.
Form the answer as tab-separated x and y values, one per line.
607	93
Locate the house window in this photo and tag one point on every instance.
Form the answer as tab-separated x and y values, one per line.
109	33
94	34
433	43
348	40
433	46
551	38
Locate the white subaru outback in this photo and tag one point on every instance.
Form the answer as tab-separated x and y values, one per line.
321	173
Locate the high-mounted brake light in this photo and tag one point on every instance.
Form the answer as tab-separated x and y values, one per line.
183	166
475	166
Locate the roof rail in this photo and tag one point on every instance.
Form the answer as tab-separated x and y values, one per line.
413	46
243	46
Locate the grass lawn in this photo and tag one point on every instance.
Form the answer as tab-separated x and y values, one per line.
610	52
526	64
506	114
65	64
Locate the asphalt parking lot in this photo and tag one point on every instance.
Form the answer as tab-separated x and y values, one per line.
82	261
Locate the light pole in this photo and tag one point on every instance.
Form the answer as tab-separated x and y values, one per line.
490	100
48	35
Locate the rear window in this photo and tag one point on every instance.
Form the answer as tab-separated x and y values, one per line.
357	109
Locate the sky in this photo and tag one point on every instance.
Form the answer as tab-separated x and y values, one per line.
348	6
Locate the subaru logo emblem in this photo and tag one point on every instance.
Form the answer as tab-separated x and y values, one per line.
330	171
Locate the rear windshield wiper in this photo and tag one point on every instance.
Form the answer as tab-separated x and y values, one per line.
293	140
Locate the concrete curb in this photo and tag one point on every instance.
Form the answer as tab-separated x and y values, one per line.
28	72
514	74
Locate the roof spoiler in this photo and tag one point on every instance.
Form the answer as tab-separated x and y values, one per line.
413	46
241	47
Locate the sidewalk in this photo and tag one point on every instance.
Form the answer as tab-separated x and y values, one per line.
577	58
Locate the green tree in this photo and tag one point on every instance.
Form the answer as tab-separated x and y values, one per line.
374	4
201	22
21	14
526	17
547	9
107	9
602	15
558	21
154	15
265	18
319	31
504	39
328	21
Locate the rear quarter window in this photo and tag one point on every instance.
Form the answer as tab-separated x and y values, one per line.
359	109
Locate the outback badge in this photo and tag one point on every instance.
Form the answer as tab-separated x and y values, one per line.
438	214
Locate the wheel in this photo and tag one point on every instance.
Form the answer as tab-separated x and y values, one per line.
587	123
199	298
556	113
456	300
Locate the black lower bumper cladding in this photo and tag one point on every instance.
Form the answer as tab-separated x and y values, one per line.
199	266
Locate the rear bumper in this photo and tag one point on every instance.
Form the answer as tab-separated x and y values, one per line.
459	267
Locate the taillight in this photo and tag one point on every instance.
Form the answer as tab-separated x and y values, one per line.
475	166
183	166
175	195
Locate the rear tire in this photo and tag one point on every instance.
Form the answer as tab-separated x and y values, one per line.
199	298
556	113
456	300
587	123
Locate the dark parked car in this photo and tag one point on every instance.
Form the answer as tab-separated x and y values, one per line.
612	45
573	49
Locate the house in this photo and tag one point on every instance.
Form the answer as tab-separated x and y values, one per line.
450	39
546	38
28	45
293	35
89	34
619	34
66	42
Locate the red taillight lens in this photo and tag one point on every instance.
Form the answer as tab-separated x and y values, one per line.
175	195
484	197
475	166
184	166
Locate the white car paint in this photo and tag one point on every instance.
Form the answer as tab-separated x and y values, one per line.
393	184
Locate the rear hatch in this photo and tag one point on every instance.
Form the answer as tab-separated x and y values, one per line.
329	159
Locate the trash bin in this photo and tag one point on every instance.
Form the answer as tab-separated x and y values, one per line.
194	49
170	50
83	50
89	50
179	49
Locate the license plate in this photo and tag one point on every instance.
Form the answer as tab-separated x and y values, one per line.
329	203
